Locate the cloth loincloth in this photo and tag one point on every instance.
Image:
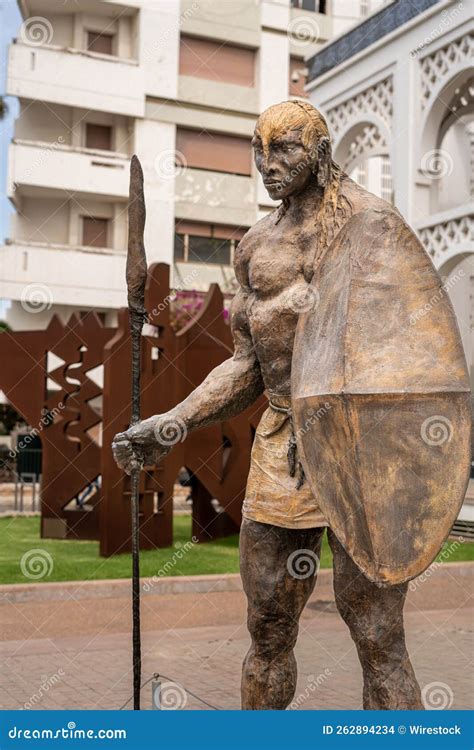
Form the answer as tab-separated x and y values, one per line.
277	492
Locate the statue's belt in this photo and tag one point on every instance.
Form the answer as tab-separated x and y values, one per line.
295	467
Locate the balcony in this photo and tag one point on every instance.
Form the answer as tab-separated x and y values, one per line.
36	167
76	78
215	197
67	275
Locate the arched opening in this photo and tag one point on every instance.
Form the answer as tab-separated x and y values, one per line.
363	153
458	276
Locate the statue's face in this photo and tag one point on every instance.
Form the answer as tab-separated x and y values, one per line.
284	163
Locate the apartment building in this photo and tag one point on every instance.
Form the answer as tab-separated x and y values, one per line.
178	83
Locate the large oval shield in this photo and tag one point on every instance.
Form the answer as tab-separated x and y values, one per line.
381	399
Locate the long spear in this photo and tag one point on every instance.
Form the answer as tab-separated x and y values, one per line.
136	279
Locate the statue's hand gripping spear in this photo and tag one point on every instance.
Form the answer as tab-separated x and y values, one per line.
136	279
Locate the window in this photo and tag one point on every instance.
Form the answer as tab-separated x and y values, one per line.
94	231
215	61
298	75
98	136
313	5
196	242
364	8
102	43
386	188
215	151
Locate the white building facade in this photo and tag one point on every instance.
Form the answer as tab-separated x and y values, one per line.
398	94
178	83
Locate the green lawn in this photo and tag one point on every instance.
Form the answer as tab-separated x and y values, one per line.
76	561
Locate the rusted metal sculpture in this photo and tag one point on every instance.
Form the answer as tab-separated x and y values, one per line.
51	372
310	268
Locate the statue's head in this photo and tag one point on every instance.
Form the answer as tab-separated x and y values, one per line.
292	147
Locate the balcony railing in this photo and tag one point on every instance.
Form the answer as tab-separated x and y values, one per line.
76	78
55	166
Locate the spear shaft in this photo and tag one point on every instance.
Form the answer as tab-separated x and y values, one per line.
136	279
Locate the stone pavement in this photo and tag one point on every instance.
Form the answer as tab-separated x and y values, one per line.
69	646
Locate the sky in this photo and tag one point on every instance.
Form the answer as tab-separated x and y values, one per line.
10	20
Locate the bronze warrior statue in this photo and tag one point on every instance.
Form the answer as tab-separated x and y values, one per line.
326	322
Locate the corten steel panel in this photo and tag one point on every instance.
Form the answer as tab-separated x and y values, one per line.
71	456
381	398
185	359
215	61
215	152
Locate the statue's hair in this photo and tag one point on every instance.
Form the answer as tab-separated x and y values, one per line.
293	115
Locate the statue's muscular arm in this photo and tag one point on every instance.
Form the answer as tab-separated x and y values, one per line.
227	390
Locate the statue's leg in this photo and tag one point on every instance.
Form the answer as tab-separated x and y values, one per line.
276	599
374	615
